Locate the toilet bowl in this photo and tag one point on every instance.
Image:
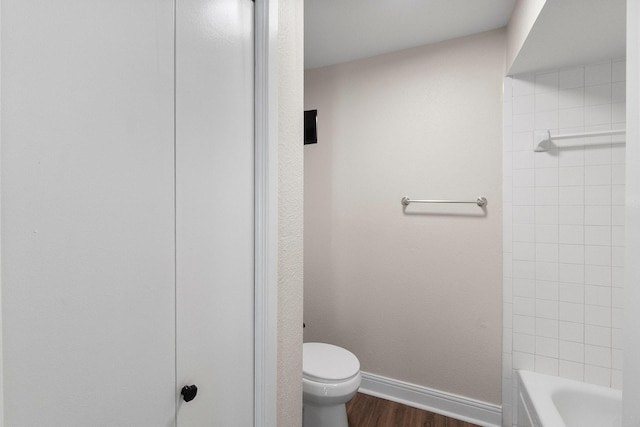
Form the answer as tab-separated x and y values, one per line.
330	378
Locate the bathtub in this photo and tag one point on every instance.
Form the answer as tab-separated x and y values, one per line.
548	401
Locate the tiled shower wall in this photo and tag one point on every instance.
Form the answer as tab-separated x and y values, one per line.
563	227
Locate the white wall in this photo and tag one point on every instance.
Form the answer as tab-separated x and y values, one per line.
290	224
523	17
416	294
564	227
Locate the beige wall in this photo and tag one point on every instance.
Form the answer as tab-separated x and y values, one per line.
290	178
416	295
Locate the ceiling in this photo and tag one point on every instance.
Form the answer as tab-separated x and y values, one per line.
344	30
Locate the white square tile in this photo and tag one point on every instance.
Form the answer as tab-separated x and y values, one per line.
617	297
524	343
617	359
571	196
523	361
571	331
546	365
546	271
571	117
597	255
523	104
523	215
571	254
572	157
525	122
547	290
618	92
571	98
572	234
597	154
597	356
522	141
597	94
617	235
617	256
523	178
597	335
524	288
571	78
618	195
571	176
617	277
571	292
618	153
617	318
597	275
546	196
617	339
523	196
616	379
523	159
547	347
617	215
618	113
619	70
571	215
571	312
597	215
573	351
571	370
593	115
546	252
546	309
524	251
597	195
597	235
524	324
523	269
548	101
618	174
597	295
596	315
595	74
546	233
571	273
546	215
546	160
597	375
547	328
524	233
597	175
546	177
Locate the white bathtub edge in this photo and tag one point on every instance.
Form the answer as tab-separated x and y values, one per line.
453	406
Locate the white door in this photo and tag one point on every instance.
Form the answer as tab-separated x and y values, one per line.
215	210
107	226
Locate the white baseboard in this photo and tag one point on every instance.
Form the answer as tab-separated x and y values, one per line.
453	406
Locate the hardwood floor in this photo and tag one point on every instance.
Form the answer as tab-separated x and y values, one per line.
369	411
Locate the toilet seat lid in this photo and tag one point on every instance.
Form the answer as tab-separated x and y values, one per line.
326	362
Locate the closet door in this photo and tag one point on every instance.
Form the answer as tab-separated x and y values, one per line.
88	286
215	210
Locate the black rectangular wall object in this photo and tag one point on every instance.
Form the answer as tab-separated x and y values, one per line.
311	127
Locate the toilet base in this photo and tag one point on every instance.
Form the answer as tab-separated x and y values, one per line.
324	416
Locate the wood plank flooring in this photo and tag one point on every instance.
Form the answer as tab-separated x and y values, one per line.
369	411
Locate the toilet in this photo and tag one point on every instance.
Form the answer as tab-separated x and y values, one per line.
330	378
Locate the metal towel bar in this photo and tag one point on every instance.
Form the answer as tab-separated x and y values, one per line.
480	201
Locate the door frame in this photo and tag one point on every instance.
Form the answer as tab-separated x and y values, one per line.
266	213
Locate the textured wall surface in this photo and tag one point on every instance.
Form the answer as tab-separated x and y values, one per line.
414	293
290	212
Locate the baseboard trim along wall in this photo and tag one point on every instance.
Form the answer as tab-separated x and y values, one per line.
440	402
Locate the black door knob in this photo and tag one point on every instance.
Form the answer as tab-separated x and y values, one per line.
189	392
